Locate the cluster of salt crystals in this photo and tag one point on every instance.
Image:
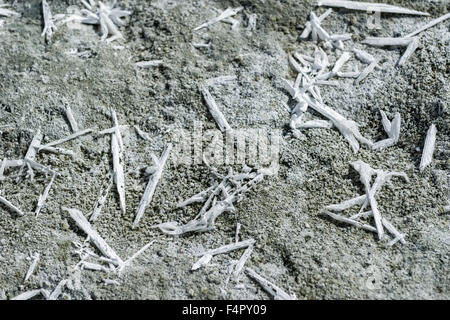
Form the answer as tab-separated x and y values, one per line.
94	237
97	13
110	257
105	15
29	161
410	41
36	147
71	282
381	177
320	63
235	267
48	295
306	97
53	295
30	157
314	29
229	16
312	72
116	264
314	100
218	199
85	254
392	128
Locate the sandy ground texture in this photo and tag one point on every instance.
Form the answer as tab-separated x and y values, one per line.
296	247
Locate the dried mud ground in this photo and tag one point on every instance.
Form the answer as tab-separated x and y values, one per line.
296	248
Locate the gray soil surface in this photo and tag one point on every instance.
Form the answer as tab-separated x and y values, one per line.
297	248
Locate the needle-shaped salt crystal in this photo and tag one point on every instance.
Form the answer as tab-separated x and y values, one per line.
215	112
10	206
204	260
386	42
148	64
101	200
43	196
409	51
31	294
6	12
429	25
32	267
276	292
151	185
68	138
428	148
71	118
241	262
225	14
94	236
368	6
58	290
366	71
229	247
349	221
363	56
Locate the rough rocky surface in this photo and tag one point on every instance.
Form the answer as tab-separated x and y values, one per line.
297	248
